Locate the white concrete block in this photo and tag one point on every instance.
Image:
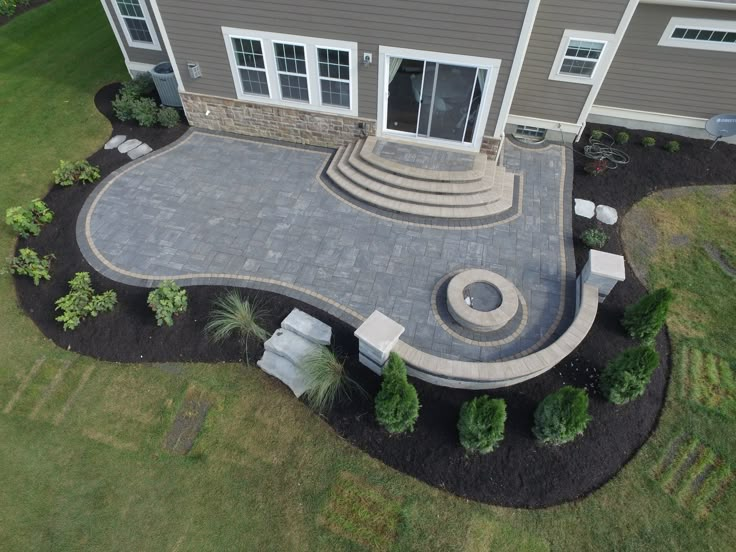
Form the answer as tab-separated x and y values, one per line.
606	214
584	208
378	334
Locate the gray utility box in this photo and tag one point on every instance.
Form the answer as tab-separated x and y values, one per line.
166	85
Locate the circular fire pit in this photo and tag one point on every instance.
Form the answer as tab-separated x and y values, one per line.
481	300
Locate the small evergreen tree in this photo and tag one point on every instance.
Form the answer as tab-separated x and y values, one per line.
645	319
481	423
561	416
626	377
397	403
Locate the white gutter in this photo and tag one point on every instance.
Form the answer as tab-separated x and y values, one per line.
694	4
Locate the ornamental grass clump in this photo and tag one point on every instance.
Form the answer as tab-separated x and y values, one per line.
167	301
81	302
397	403
72	172
326	379
28	263
481	424
673	146
233	316
561	416
645	319
627	376
28	221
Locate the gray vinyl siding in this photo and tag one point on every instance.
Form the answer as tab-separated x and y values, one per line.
662	79
538	96
140	55
486	28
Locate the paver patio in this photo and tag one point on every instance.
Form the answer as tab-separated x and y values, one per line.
219	209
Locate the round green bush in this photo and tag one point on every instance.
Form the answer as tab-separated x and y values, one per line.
142	85
481	424
561	416
626	377
168	117
123	106
645	319
145	111
622	137
673	146
596	134
648	141
397	402
595	238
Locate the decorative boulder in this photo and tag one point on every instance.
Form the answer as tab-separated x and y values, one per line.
606	214
584	208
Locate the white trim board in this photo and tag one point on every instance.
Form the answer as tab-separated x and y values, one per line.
568	128
703	4
516	66
491	65
648	116
310	44
601	66
149	23
700	24
138	66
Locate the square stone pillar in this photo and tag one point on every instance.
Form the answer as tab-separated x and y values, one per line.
376	337
603	270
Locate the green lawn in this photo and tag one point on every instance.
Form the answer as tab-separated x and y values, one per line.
82	460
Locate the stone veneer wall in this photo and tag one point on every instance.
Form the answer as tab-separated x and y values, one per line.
277	123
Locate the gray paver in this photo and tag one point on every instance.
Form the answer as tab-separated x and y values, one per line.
115	141
217	203
140	151
129	145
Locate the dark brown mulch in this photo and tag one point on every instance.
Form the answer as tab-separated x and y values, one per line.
22	9
520	473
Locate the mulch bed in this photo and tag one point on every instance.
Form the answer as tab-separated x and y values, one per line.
520	472
22	9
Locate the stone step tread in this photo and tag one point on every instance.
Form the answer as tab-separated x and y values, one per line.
420	197
284	370
308	327
289	345
435	211
366	152
478	185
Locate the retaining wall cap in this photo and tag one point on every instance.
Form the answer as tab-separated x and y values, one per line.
379	331
607	264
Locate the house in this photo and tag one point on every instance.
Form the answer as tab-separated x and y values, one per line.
459	74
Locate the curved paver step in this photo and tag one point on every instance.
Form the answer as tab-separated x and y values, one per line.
367	154
432	211
422	198
432	186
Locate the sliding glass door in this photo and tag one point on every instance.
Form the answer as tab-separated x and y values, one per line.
431	99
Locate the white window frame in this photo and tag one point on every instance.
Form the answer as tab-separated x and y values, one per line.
239	81
155	45
321	46
700	24
274	83
601	63
302	75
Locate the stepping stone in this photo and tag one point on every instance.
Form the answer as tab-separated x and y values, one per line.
584	208
289	345
140	151
285	371
307	327
606	214
128	145
115	141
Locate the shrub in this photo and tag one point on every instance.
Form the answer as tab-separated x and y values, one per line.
28	263
8	7
70	172
481	424
626	377
645	319
595	238
167	301
622	137
140	86
123	106
27	221
326	378
561	416
168	117
648	142
233	315
596	134
673	146
81	301
397	403
145	112
596	167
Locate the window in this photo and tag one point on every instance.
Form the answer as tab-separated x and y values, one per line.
137	24
580	56
334	76
291	64
297	71
700	34
251	66
530	133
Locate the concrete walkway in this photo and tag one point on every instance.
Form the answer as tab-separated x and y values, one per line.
224	210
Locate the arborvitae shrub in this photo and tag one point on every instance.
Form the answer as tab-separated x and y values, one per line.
481	424
626	377
561	416
397	403
645	319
